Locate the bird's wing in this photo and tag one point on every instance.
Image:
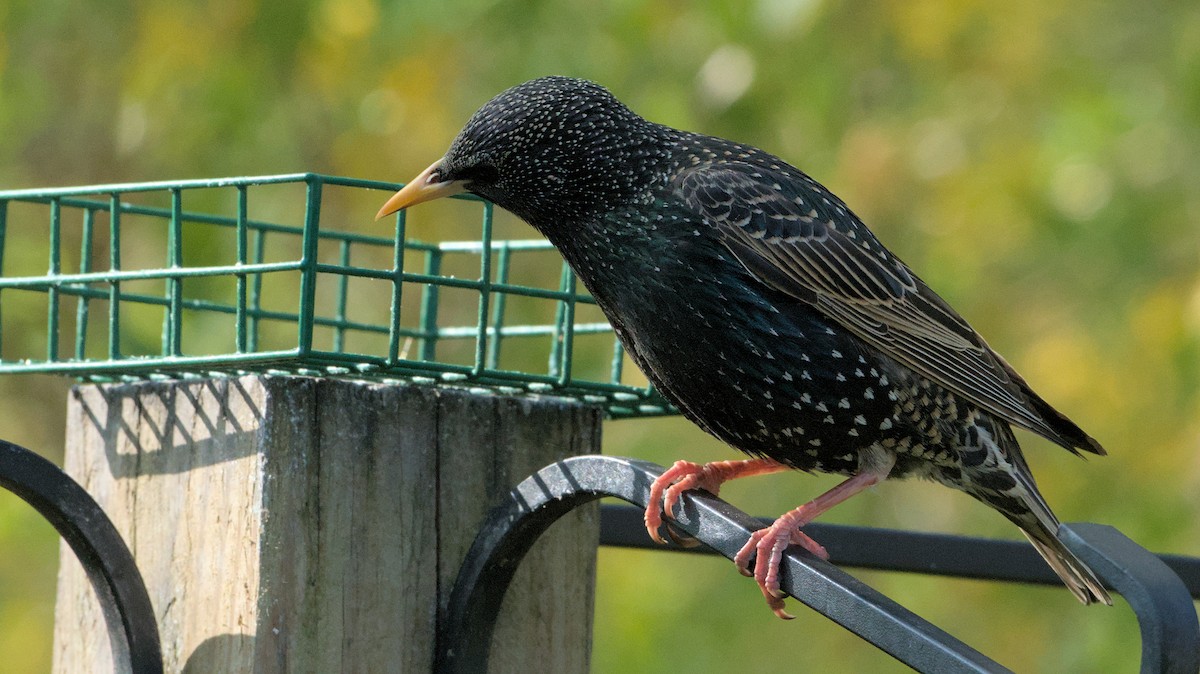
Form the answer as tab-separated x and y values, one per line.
795	236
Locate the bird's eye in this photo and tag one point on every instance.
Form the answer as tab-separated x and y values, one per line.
480	174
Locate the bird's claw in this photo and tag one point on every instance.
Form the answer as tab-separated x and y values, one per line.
766	547
665	492
776	605
682	476
680	538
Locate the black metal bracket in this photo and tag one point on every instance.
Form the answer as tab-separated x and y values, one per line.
106	559
1167	618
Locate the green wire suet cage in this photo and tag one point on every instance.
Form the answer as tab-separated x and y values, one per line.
288	275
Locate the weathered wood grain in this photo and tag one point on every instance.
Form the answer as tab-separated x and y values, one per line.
304	525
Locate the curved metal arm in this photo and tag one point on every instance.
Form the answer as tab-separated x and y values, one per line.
1166	615
513	526
99	547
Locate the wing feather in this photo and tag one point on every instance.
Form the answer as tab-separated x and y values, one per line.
796	237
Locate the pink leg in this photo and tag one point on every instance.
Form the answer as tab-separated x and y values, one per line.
767	544
685	475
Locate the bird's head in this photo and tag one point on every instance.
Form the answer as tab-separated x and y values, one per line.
551	150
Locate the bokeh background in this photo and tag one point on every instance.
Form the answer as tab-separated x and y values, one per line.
1037	162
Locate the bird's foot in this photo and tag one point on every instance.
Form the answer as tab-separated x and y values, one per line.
684	475
665	490
766	546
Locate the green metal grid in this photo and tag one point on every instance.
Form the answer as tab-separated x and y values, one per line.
216	277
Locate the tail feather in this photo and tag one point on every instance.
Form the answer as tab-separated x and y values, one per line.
1024	505
1040	526
1077	576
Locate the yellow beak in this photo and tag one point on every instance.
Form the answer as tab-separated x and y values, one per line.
420	189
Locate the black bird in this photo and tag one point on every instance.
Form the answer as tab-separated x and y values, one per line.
764	309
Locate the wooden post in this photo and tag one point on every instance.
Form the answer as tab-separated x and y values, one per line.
304	525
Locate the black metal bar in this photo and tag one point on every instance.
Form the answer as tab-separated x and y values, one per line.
99	547
512	527
897	550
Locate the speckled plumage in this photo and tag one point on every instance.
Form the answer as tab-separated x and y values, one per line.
761	306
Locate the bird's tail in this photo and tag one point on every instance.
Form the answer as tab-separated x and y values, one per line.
1023	504
1077	576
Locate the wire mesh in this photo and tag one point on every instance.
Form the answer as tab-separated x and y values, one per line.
216	277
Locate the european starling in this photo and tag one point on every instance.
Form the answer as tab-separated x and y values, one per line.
764	309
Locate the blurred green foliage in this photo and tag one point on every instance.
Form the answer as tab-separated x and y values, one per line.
1036	161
